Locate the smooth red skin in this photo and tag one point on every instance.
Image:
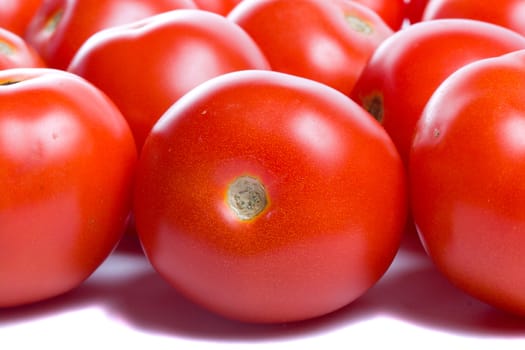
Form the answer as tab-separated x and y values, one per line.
312	38
414	10
466	170
16	53
391	11
15	15
68	159
83	18
336	189
507	13
146	66
407	68
222	7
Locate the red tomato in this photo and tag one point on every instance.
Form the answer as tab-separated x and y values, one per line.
466	169
222	7
267	197
415	8
391	11
146	66
60	27
327	41
67	158
15	15
507	13
405	70
16	53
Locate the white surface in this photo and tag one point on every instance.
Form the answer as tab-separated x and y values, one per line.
126	304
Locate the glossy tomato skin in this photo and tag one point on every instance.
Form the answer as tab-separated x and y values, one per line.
15	15
330	181
507	13
391	11
221	7
327	41
67	158
60	27
16	53
466	170
405	70
182	48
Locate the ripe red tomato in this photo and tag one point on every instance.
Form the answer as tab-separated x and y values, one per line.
327	41
67	158
16	53
146	66
507	13
466	169
391	11
15	15
222	7
267	197
405	70
60	27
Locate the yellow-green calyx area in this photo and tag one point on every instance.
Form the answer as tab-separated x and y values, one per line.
359	25
6	49
5	83
373	103
52	22
9	82
247	197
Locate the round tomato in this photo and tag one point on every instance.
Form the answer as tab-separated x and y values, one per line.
15	15
16	53
327	41
267	197
222	7
68	159
60	27
507	13
391	11
146	66
406	68
466	169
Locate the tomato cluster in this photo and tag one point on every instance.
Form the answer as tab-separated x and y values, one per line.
270	155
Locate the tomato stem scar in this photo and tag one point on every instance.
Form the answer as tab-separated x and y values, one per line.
247	197
359	25
6	49
374	105
52	22
8	82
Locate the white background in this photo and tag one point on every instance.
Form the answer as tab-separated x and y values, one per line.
125	304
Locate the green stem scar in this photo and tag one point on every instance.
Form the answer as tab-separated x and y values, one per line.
6	49
52	22
8	82
373	103
247	197
359	25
